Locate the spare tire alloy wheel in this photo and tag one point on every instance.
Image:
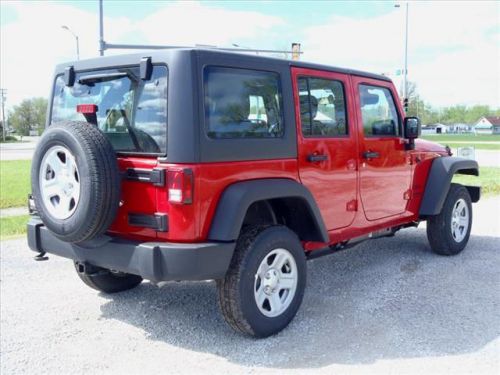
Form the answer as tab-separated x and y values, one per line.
59	182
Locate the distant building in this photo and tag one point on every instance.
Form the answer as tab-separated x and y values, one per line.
460	128
435	129
488	125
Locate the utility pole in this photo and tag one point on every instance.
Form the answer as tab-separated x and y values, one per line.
3	93
102	44
406	56
405	72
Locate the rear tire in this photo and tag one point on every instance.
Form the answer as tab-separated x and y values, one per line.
448	232
107	281
265	283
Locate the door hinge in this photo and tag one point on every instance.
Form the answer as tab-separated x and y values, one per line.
352	205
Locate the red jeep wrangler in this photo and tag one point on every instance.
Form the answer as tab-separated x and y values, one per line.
192	164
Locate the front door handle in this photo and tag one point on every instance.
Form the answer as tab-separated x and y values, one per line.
313	158
371	155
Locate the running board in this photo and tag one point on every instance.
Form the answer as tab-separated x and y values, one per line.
389	232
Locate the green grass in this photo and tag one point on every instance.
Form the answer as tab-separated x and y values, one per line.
462	137
9	139
14	183
13	226
489	180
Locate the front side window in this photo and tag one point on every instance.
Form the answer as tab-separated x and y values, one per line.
322	107
380	117
131	112
242	103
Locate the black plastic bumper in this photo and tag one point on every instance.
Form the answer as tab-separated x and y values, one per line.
156	261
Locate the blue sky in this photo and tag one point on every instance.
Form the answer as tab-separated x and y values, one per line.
295	12
454	53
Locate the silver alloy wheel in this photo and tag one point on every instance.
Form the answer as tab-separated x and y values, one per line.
275	282
459	220
59	182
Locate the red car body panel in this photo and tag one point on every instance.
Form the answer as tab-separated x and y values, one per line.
332	182
352	193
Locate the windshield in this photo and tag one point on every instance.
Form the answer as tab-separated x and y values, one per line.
131	112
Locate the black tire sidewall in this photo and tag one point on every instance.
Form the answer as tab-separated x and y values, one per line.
60	137
266	241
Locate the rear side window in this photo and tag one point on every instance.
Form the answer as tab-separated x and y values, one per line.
380	117
322	107
131	112
241	103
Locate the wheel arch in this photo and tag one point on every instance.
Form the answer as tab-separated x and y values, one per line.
439	180
286	201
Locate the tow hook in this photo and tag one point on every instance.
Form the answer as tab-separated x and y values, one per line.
88	269
41	256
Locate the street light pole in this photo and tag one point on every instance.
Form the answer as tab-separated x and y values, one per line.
406	58
405	72
4	121
77	41
102	43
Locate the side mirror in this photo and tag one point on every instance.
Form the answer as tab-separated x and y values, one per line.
412	127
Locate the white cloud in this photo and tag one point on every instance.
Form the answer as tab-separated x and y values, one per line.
34	43
453	48
190	23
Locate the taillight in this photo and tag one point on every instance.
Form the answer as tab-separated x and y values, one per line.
180	186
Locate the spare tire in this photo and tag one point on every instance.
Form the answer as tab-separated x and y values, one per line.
75	181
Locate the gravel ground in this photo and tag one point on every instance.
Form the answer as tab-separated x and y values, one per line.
389	306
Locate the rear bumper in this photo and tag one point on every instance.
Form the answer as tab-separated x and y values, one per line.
156	261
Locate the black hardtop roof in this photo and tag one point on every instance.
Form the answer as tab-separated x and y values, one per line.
156	54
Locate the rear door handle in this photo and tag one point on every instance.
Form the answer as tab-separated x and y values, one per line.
316	158
371	155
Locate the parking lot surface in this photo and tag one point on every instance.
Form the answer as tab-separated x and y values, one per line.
388	306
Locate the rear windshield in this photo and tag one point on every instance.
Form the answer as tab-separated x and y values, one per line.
130	111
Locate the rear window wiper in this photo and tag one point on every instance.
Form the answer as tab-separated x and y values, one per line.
105	77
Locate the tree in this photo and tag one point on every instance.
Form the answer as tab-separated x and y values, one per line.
447	115
28	115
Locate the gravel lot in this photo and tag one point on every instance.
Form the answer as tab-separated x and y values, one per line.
389	306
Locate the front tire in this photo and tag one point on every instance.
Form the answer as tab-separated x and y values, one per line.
265	283
448	232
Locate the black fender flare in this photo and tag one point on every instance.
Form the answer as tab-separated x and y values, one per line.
439	180
237	198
